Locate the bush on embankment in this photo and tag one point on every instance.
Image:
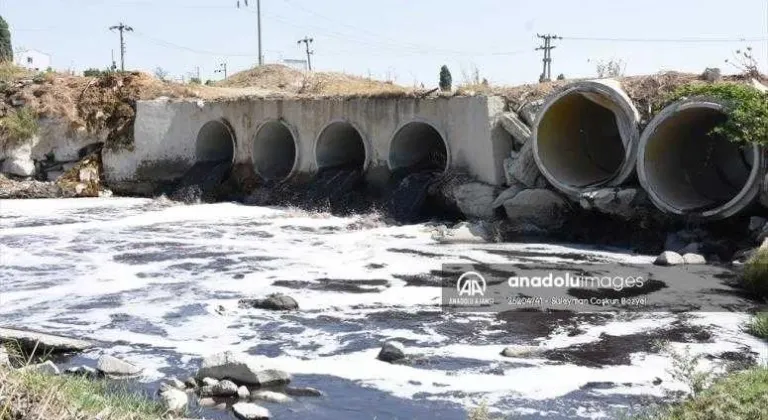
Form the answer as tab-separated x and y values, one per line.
758	326
26	395
755	275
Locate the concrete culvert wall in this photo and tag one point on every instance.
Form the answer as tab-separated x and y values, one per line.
215	143
586	137
688	171
274	151
340	145
418	146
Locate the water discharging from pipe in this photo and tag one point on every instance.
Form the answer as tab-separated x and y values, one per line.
214	154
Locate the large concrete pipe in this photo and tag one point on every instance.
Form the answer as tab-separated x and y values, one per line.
689	171
215	142
586	137
340	145
274	151
418	146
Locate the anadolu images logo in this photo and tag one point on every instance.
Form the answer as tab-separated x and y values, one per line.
471	284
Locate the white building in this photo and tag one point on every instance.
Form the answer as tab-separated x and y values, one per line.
33	60
296	64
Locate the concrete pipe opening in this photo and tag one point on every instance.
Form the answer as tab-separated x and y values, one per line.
418	146
340	146
215	143
274	151
586	137
688	170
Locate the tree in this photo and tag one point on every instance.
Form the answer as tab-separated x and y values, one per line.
6	49
194	81
561	77
446	80
161	73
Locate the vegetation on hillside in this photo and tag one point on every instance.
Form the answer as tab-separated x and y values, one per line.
6	48
758	326
446	80
747	109
18	126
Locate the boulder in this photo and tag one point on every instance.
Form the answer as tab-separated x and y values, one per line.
514	189
521	351
391	351
529	110
191	383
543	209
515	127
694	259
475	200
225	388
622	203
463	233
250	411
209	382
47	368
42	343
175	383
238	369
243	393
524	169
274	302
19	166
303	392
669	258
115	368
271	397
174	400
84	371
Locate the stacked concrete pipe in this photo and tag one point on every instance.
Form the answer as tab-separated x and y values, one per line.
688	172
586	136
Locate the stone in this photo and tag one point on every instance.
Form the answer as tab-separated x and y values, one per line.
543	209
238	369
115	368
521	351
250	411
463	233
509	166
756	223
271	397
712	75
475	200
303	392
47	368
524	169
175	383
88	174
225	388
529	110
515	127
391	351
174	400
191	383
209	382
274	302
84	371
243	393
514	189
622	203
669	258
19	166
42	343
694	259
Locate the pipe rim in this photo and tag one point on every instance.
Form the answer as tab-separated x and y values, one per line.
296	153
366	145
744	198
443	138
630	147
230	130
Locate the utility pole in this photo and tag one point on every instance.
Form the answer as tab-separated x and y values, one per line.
306	42
546	74
222	69
258	26
122	28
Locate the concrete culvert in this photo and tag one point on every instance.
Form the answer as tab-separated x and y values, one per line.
215	143
340	145
418	146
274	151
586	137
688	170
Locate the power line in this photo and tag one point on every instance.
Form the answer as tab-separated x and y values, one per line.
222	69
668	40
122	28
546	73
307	41
258	26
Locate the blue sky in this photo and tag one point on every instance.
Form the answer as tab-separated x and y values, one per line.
407	40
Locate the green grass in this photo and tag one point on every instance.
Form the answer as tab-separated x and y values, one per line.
18	126
755	275
758	326
41	396
739	396
10	72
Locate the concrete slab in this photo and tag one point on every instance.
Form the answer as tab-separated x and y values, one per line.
42	343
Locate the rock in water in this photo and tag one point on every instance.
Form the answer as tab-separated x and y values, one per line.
235	367
669	258
392	351
514	189
42	343
209	382
475	200
694	259
271	397
274	302
225	388
116	368
303	392
47	368
174	400
543	209
243	393
249	411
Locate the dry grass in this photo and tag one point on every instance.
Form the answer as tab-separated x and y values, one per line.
18	126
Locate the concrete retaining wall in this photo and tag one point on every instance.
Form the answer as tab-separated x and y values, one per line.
166	134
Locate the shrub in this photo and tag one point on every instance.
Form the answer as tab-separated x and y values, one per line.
758	326
6	49
194	81
446	80
18	126
746	107
94	72
755	275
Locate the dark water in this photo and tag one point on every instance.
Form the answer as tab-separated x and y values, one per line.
201	182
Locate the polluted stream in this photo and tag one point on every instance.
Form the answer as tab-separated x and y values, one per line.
158	284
